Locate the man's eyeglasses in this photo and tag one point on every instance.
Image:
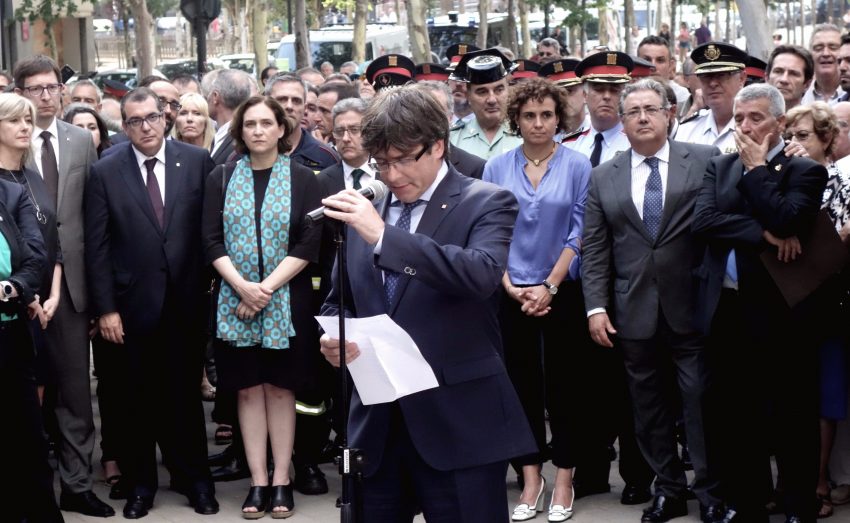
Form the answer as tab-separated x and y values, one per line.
150	119
383	166
37	90
339	132
652	111
175	105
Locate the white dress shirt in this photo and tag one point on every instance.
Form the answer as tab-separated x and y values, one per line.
220	134
38	143
614	141
158	169
367	176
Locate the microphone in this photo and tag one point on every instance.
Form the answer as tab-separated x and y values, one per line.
375	190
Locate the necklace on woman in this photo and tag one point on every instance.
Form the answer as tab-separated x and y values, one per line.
40	216
537	162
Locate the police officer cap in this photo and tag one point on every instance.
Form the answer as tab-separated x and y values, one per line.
756	70
717	57
642	68
525	69
431	72
455	52
560	72
482	67
612	67
390	70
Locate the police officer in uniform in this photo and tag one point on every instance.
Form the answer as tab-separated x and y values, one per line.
486	75
604	75
563	74
390	70
720	69
462	111
431	72
524	69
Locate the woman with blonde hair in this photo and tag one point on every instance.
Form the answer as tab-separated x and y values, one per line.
193	124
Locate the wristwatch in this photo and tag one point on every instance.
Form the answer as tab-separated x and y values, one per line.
553	289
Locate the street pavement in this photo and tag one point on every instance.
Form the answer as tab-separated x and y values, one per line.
170	507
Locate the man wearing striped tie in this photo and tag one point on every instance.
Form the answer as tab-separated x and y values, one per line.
638	242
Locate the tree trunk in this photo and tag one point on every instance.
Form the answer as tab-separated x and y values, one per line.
358	45
483	9
51	40
258	33
628	23
753	15
829	8
525	50
510	40
303	56
674	30
791	38
420	46
659	18
730	32
244	30
603	26
144	41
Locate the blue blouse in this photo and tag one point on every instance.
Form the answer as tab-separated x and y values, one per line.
550	218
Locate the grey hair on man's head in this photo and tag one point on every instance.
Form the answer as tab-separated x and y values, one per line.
284	78
233	86
397	118
759	91
358	105
86	81
434	86
820	28
647	84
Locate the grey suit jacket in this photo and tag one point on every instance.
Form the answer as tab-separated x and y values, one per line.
623	269
76	155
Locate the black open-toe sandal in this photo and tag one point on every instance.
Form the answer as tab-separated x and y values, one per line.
258	498
282	497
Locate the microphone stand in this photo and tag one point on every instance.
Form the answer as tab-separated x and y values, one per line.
350	460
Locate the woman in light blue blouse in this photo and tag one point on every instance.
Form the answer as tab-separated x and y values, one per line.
542	316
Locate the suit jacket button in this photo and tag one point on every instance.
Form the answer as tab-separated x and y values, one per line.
410	271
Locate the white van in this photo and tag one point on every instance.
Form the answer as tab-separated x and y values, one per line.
333	44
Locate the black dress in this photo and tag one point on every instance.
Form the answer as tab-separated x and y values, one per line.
292	368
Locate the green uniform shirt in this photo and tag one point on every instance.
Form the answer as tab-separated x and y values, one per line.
469	137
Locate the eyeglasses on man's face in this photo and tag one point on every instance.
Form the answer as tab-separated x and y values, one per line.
383	166
174	104
151	119
651	111
35	91
339	132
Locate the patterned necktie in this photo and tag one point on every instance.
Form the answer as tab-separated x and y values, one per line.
653	200
597	150
356	174
154	193
391	278
48	167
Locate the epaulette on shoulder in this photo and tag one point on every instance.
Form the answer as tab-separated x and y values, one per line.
693	117
458	126
573	136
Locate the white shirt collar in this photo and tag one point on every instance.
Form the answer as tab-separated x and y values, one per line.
663	154
53	129
608	135
712	125
426	196
141	157
346	169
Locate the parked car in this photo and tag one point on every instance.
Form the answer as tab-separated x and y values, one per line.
174	68
127	77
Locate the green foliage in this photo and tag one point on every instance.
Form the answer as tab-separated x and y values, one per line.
158	8
48	11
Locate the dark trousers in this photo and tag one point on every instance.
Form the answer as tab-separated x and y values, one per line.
765	397
670	362
26	492
164	369
115	427
540	356
404	482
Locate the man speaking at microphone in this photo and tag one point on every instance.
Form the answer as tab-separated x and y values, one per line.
431	256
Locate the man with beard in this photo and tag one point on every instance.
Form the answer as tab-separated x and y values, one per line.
486	73
824	45
790	69
720	69
844	67
329	95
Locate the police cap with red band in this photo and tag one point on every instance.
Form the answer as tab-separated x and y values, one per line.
610	67
756	69
435	72
455	52
525	69
390	70
642	68
561	72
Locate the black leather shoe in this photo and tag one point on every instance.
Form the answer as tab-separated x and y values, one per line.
310	481
85	503
231	471
204	503
634	495
221	458
712	513
137	507
665	509
582	489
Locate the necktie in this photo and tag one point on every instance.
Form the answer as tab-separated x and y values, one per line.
732	267
48	167
391	277
597	150
154	193
653	200
356	174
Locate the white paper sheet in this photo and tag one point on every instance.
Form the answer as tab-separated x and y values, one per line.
390	365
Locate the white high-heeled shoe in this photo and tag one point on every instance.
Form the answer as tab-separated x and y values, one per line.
560	512
524	511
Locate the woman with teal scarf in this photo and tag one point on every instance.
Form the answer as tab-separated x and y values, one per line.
257	239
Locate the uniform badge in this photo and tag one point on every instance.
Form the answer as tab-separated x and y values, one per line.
393	61
559	67
712	53
778	168
612	58
426	69
461	49
384	79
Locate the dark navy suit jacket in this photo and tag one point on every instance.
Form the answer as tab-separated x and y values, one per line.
447	301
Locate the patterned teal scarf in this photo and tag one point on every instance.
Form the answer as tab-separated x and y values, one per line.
272	327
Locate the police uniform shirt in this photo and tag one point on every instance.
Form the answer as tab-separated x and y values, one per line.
703	130
614	140
472	139
466	119
812	95
313	154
